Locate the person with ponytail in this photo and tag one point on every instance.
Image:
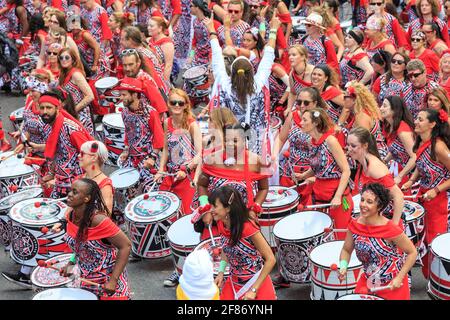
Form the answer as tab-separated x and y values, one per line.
361	147
434	38
143	10
162	44
244	248
116	23
100	248
377	40
432	149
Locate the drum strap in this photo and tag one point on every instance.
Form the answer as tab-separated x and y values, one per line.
246	287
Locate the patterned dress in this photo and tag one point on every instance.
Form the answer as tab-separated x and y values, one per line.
96	257
201	43
317	53
237	33
182	33
245	262
396	147
394	87
4	22
36	128
277	89
143	16
415	97
297	83
371	50
417	24
96	22
349	70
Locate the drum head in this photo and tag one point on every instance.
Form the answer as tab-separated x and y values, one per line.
328	253
47	277
208	246
65	294
106	83
356	203
357	296
12	199
159	206
13	166
279	196
302	225
182	232
195	72
275	122
18	113
113	120
413	211
440	246
124	178
26	212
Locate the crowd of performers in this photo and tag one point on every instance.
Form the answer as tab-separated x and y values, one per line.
364	110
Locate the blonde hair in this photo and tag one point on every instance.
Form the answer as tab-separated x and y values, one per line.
301	50
188	110
124	19
365	100
327	18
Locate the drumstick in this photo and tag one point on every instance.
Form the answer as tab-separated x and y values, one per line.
314	206
334	230
375	289
29	187
89	282
297	185
412	197
131	170
43	203
7	157
184	168
211	235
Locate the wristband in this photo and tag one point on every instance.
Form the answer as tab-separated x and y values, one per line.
213	33
223	265
73	258
343	264
436	189
262	26
192	53
203	200
272	35
273	31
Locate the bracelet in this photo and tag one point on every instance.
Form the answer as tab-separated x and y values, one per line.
73	258
262	26
343	264
192	53
272	35
223	265
436	189
213	34
203	200
273	31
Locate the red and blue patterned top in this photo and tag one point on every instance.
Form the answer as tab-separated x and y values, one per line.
180	146
237	33
321	159
432	173
415	97
395	145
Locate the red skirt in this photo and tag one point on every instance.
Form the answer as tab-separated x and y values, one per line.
265	292
401	293
182	189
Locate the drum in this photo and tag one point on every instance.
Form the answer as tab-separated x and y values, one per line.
415	224
5	205
149	217
65	294
29	243
14	173
196	79
439	281
203	123
296	235
275	125
208	246
126	187
356	296
182	239
47	278
356	202
105	94
99	133
17	118
325	284
114	132
279	203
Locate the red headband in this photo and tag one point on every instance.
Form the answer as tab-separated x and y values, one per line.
50	99
351	91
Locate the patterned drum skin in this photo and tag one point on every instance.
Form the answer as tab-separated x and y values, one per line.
114	132
5	205
126	187
325	284
196	79
182	239
359	297
28	243
279	203
275	125
47	278
13	172
148	222
103	87
65	294
208	246
439	282
18	115
296	235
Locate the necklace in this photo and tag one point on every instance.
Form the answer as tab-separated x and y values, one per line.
95	176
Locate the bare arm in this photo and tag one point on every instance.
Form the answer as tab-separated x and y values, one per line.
169	52
263	189
94	45
365	65
342	162
197	160
407	139
123	244
405	245
107	194
81	82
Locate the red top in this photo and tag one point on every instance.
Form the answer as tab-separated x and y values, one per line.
429	59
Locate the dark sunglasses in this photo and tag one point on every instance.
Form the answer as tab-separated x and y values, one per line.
426	31
349	96
64	57
414	75
234	11
416	39
177	102
379	4
395	61
82	154
304	102
51	53
254	6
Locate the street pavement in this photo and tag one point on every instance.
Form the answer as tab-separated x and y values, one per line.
146	277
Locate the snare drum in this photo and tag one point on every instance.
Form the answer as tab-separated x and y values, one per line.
439	281
65	294
325	283
279	203
28	243
208	246
114	132
126	187
5	205
17	115
48	278
356	203
182	239
203	123
105	94
296	235
148	222
14	172
275	125
359	297
196	79
415	225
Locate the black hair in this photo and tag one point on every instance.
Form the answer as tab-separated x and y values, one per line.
203	6
239	214
36	24
401	113
66	100
381	193
382	57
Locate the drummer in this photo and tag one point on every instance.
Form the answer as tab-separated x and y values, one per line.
91	232
380	245
144	135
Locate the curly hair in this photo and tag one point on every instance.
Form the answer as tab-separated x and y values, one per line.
364	100
382	195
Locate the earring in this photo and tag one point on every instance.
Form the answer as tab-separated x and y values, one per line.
93	167
227	217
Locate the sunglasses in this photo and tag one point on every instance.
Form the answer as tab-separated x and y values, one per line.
426	31
177	102
234	11
65	57
414	75
82	154
395	61
349	96
254	6
379	4
51	53
53	21
304	102
416	39
127	52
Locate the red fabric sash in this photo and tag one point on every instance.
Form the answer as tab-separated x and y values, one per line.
106	229
69	76
297	119
330	93
300	80
422	148
322	138
284	17
388	231
250	228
